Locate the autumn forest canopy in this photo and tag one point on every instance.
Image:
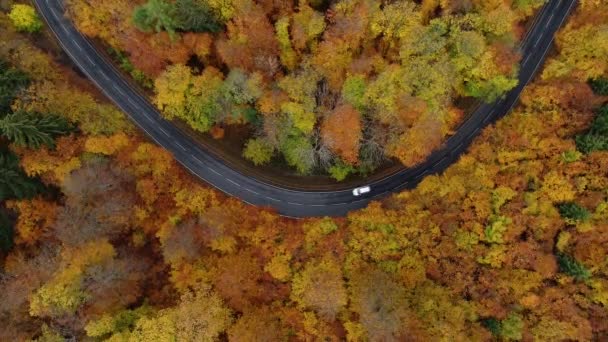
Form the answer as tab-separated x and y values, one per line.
105	237
323	86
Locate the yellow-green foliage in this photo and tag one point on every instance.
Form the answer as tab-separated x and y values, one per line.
63	294
24	18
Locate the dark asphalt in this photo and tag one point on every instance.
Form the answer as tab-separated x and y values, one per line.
291	202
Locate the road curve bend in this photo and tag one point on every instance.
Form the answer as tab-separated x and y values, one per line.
292	202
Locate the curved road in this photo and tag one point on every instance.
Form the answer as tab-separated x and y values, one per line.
291	202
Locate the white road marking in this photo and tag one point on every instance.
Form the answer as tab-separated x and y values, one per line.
233	182
538	40
293	203
89	59
198	160
213	170
163	130
180	146
254	192
64	28
272	199
78	45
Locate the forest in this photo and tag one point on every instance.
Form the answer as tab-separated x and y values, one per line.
104	236
321	87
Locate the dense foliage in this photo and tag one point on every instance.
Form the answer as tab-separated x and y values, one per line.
25	19
326	86
510	243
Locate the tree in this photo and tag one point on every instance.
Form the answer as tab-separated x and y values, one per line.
12	81
6	233
157	15
33	129
199	316
572	267
573	212
258	324
509	328
320	287
242	269
13	181
196	99
251	44
599	85
353	91
86	214
197	16
341	131
340	171
596	139
298	152
258	150
36	217
582	48
24	18
380	303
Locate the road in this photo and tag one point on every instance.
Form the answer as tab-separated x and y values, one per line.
292	202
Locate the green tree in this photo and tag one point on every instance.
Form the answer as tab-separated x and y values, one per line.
599	85
588	143
572	267
492	324
492	89
242	89
509	329
156	15
353	91
299	153
600	124
24	18
258	150
597	137
6	233
12	81
197	16
32	129
340	171
14	183
573	212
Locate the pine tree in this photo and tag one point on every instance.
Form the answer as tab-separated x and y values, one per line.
597	137
573	212
6	233
196	16
572	267
14	183
32	129
11	82
599	85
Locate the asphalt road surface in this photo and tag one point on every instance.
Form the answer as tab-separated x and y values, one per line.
336	201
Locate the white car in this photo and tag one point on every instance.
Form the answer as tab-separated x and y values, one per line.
361	190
